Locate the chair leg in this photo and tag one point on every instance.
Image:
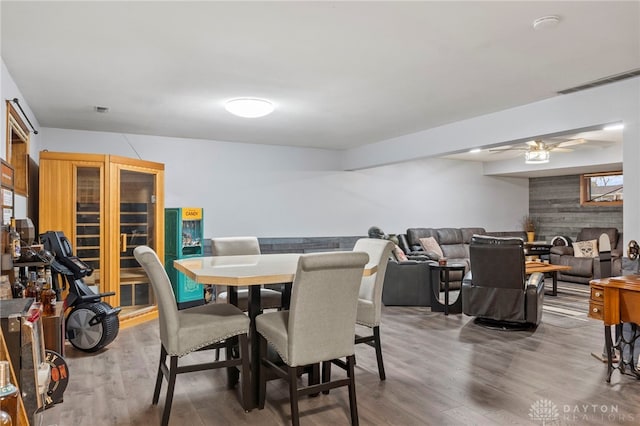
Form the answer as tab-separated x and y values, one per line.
326	374
352	389
246	382
376	336
173	367
262	381
232	372
293	395
314	377
163	358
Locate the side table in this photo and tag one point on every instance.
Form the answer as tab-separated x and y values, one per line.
443	272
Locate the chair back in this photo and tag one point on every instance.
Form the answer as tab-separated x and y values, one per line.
324	300
167	308
234	246
497	262
371	286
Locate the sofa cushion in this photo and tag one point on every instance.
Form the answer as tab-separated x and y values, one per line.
399	255
585	248
586	234
449	236
467	233
429	244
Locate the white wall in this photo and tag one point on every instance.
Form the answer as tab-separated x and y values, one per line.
610	103
274	191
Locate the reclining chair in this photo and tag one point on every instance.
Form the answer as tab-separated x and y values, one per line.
496	290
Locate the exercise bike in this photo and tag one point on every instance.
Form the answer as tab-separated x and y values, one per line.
91	324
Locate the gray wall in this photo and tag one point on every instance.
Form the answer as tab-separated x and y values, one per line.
555	203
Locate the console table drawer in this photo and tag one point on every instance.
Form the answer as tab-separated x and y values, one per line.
597	294
596	310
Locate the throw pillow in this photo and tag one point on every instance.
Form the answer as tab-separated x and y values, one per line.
585	248
399	254
430	244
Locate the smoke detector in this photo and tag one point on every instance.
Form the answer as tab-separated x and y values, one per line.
546	22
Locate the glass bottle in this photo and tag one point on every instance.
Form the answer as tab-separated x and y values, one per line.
32	289
48	295
14	240
17	289
8	393
5	419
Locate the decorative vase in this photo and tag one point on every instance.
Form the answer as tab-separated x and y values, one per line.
531	236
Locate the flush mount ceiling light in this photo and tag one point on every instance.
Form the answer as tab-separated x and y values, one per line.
537	156
475	150
249	107
545	22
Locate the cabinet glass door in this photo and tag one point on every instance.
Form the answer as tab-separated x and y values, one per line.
88	226
137	227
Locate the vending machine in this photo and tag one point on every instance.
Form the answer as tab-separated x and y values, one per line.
183	239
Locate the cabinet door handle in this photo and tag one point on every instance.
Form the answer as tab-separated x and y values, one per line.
123	242
598	294
595	310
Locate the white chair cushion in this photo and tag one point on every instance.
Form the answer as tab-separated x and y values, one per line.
206	324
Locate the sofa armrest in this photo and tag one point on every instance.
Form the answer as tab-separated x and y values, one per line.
534	298
535	280
562	250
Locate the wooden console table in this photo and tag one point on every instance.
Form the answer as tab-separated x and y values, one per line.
614	301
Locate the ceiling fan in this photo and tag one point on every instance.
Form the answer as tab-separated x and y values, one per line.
538	151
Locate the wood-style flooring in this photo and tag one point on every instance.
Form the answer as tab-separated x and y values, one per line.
441	370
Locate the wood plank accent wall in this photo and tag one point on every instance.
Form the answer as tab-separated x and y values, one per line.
299	244
555	202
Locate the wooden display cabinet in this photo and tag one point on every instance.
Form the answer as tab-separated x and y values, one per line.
106	206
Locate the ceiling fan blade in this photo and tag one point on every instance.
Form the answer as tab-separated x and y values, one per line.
533	144
571	142
507	148
559	149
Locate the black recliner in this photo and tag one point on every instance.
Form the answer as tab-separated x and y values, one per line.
496	290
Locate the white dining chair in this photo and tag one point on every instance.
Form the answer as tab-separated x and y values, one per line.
318	327
182	332
234	246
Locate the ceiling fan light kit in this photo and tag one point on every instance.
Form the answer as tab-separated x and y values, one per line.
537	156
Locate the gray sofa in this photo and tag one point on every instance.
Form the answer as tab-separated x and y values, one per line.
409	283
454	243
585	269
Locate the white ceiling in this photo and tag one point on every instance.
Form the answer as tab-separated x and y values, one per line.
342	74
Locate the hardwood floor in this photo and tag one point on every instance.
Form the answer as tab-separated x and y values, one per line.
440	371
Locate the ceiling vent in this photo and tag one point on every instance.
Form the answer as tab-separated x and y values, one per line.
602	81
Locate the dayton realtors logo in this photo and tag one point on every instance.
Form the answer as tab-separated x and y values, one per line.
547	412
544	411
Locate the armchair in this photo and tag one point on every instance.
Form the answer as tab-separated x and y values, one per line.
496	289
585	269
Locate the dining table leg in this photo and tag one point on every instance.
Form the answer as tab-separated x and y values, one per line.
254	309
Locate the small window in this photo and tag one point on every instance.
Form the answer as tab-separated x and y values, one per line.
601	189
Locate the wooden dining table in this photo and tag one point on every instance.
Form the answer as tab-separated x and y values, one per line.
252	271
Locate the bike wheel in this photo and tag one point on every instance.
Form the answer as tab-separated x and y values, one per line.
90	337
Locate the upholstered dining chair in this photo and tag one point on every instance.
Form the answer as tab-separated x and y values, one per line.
318	327
370	296
185	331
234	246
